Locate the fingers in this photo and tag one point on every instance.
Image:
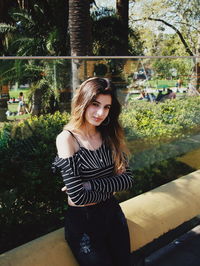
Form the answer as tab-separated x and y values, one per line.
64	189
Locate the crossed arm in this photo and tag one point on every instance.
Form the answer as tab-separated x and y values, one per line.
95	190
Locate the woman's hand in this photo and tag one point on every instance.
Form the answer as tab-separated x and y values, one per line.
64	189
121	171
86	185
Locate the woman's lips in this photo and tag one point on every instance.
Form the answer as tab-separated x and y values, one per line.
97	119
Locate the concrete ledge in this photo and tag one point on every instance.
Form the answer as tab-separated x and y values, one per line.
158	211
149	216
48	250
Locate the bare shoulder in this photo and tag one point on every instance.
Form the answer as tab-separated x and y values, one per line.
65	144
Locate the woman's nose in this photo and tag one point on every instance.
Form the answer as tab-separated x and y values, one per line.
100	111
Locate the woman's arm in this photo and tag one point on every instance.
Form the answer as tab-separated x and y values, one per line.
115	183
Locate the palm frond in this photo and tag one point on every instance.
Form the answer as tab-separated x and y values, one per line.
51	41
23	40
6	28
24	16
8	75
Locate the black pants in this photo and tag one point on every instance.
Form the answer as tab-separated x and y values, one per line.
98	235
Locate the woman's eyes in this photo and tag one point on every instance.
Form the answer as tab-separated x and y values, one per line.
97	104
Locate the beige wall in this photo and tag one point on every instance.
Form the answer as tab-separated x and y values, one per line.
156	212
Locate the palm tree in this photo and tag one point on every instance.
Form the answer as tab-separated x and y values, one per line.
26	36
4	18
80	34
80	27
50	90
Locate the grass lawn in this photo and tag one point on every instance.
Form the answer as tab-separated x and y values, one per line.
18	117
15	93
13	108
160	84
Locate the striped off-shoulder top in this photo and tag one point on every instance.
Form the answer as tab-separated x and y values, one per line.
95	167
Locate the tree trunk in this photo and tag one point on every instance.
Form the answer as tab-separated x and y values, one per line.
80	34
122	12
3	117
80	27
195	78
36	102
3	109
198	61
75	80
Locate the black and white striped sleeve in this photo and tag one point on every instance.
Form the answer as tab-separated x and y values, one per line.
69	169
115	183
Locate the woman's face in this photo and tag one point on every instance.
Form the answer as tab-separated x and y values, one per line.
98	110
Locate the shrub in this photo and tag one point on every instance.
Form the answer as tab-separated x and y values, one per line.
171	119
30	197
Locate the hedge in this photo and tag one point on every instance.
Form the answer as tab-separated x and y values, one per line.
171	119
30	196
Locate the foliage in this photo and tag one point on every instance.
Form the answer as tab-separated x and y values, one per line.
166	16
49	76
11	70
164	67
149	177
107	32
30	194
21	71
37	30
100	69
170	119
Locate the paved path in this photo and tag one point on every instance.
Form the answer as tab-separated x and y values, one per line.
184	251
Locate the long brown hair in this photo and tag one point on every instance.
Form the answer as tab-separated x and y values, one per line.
112	134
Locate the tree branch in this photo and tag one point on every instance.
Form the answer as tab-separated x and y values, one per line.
187	24
177	31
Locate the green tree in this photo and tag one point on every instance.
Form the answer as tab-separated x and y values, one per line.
48	80
107	32
51	90
180	16
164	68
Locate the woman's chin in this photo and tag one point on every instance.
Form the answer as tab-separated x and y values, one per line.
95	123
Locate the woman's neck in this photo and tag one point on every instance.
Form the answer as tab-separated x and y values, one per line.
89	131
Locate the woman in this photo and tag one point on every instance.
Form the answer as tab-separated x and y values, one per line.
93	165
